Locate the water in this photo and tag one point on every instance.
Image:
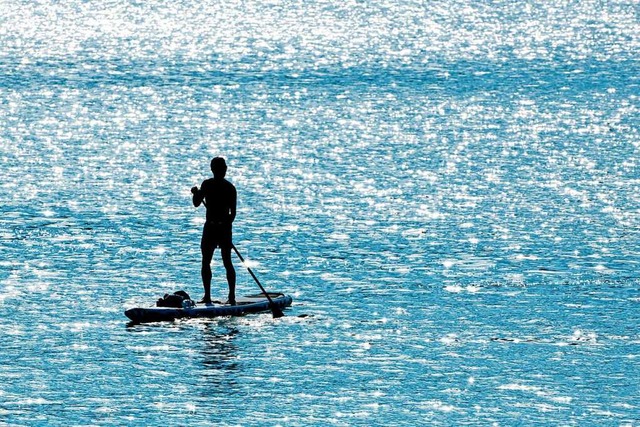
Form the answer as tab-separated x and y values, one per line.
448	189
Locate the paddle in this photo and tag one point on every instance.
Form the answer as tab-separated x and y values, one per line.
274	309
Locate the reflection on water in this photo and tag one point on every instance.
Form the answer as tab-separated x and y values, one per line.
219	350
220	361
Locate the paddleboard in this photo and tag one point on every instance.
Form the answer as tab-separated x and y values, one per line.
244	305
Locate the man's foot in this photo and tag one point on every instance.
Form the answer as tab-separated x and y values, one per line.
205	301
231	302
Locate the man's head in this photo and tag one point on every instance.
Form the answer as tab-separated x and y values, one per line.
218	167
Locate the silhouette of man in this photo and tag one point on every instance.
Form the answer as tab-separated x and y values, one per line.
219	197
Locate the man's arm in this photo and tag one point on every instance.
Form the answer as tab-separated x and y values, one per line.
198	196
232	207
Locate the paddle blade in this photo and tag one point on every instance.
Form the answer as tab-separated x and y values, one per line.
277	313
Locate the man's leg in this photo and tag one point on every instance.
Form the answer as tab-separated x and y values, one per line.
207	255
231	273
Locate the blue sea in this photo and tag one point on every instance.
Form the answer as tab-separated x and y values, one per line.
448	189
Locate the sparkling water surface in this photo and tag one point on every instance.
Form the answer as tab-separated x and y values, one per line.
448	189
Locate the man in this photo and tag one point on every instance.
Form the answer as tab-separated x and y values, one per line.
219	197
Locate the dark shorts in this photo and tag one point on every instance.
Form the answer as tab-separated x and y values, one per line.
216	235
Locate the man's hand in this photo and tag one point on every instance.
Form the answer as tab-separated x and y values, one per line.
194	190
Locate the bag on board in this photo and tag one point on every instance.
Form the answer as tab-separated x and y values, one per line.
175	300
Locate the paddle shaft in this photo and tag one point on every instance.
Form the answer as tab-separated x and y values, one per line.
266	294
274	309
